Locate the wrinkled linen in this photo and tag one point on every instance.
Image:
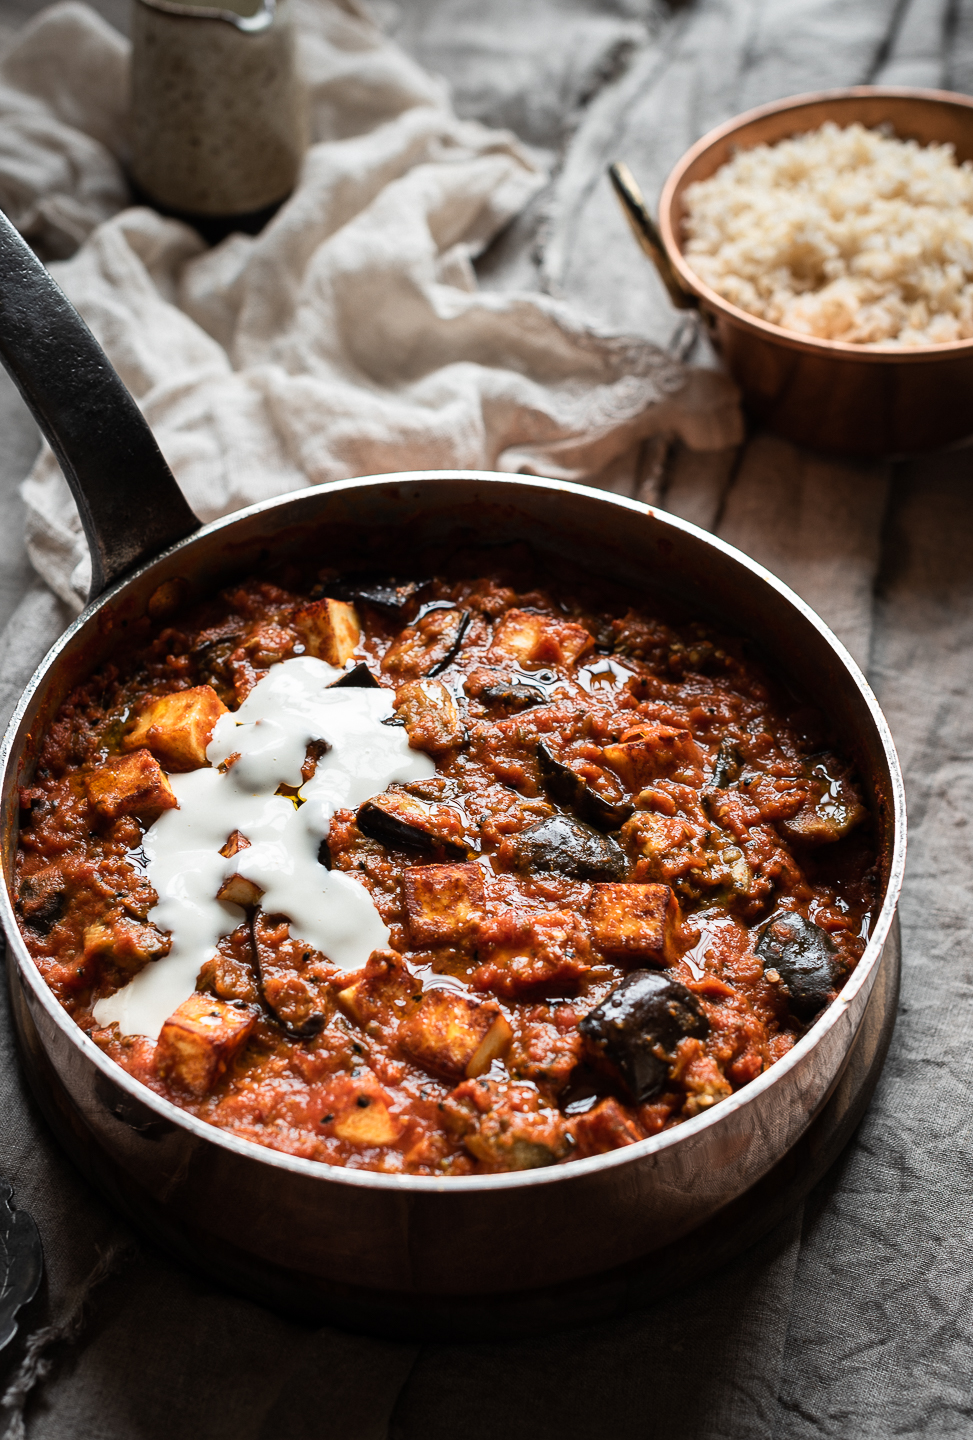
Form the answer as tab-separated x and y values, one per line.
350	337
853	1318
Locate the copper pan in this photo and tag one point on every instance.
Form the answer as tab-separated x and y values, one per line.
408	1254
826	394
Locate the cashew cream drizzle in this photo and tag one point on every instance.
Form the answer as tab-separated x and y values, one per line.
327	909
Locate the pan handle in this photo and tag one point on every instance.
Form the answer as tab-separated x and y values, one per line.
646	232
130	505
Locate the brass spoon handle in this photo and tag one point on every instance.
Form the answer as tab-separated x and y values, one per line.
646	232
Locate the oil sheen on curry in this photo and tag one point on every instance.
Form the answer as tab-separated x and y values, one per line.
441	877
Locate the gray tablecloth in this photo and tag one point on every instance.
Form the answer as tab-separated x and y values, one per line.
854	1317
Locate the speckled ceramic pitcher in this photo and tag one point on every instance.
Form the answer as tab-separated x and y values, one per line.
219	123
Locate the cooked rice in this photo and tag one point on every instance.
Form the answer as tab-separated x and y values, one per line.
846	234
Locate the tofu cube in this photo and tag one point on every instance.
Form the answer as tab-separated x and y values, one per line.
369	1123
199	1040
453	1036
522	636
444	903
385	993
177	728
130	785
431	718
635	923
518	635
654	751
238	890
330	630
349	1002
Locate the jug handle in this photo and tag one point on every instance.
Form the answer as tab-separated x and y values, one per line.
130	505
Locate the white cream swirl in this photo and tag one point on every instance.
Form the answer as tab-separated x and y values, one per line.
332	912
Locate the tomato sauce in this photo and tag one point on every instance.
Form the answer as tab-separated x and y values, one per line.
638	874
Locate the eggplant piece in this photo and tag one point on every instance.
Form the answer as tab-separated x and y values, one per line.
513	692
43	914
633	1033
431	716
359	678
461	627
569	847
566	788
381	591
727	767
405	822
833	807
307	1029
212	663
803	956
425	648
312	1022
42	901
512	696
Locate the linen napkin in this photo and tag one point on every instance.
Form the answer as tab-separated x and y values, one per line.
350	337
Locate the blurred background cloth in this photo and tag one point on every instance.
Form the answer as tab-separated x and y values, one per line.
351	337
853	1318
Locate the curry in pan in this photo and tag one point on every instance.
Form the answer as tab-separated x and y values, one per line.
441	876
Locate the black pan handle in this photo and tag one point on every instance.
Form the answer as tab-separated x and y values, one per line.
130	505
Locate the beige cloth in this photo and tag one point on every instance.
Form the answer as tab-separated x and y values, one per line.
350	337
854	1318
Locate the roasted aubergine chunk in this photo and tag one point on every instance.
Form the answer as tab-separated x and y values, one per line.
377	590
566	788
288	990
405	822
632	1035
428	646
727	767
803	956
359	677
833	807
43	899
568	847
511	694
430	715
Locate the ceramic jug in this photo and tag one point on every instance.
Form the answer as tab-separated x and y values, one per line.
219	120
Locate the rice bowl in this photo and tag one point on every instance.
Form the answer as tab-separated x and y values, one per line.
842	233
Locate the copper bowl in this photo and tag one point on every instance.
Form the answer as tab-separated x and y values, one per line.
827	394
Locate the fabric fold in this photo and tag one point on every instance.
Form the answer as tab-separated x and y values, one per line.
349	337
